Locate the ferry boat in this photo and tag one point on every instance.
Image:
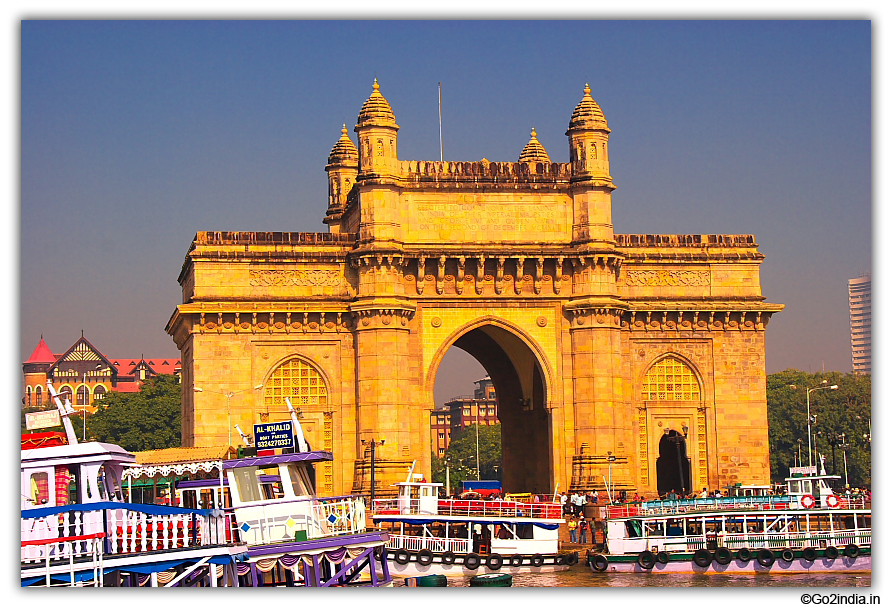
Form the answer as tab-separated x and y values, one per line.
294	537
430	535
77	530
809	530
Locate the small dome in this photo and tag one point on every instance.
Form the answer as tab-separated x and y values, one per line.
587	114
344	151
533	151
376	110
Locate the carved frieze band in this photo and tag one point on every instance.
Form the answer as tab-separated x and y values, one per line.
298	278
668	278
271	322
689	320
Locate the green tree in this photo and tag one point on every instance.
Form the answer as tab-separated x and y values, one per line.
461	455
140	421
842	416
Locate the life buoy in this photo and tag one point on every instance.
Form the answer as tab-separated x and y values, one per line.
472	561
645	559
787	555
424	557
809	553
537	560
765	557
401	556
851	550
516	560
572	559
833	501
831	552
744	555
723	555
494	562
448	557
702	557
599	562
662	557
807	501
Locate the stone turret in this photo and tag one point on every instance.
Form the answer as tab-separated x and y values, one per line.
534	151
342	169
587	135
377	133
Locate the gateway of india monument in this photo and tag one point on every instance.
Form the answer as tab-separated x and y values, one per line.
639	353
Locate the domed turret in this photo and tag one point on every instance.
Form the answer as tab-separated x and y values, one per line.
376	110
344	152
342	169
533	151
587	135
377	133
587	114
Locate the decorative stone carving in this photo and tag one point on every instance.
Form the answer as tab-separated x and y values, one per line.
668	278
298	278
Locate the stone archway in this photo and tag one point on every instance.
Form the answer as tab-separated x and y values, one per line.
520	385
672	466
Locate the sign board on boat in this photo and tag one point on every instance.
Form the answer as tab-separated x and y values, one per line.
803	470
278	435
42	419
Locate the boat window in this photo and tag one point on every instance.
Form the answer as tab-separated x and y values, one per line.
524	532
633	529
674	527
300	482
807	486
40	492
654	528
694	527
246	484
114	486
189	498
206	499
844	521
734	525
755	526
227	500
864	521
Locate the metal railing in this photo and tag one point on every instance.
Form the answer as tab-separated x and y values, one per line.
434	544
470	508
278	522
63	548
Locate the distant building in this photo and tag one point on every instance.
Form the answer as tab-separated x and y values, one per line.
85	374
860	322
462	411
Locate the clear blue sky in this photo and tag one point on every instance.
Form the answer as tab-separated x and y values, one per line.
136	135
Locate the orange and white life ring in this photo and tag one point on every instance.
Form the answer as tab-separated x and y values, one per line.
833	501
807	501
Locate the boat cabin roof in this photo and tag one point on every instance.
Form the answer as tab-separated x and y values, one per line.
270	460
76	454
418	484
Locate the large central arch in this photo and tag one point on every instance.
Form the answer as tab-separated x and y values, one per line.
521	391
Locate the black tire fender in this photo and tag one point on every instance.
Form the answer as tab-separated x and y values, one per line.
645	559
401	556
537	560
663	557
744	555
448	557
424	557
572	559
831	552
765	557
723	555
851	550
787	555
516	560
494	562
600	562
809	553
472	561
560	559
702	557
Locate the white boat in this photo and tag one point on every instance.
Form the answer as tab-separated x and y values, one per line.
77	529
430	535
809	530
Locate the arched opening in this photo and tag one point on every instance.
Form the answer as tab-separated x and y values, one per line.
673	468
519	383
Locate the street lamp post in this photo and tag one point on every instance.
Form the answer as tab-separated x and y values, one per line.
372	444
844	447
809	419
477	440
229	402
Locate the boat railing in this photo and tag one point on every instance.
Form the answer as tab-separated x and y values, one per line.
660	507
282	521
470	508
64	549
434	544
127	528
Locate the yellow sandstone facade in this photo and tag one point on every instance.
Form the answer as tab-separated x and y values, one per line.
644	354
